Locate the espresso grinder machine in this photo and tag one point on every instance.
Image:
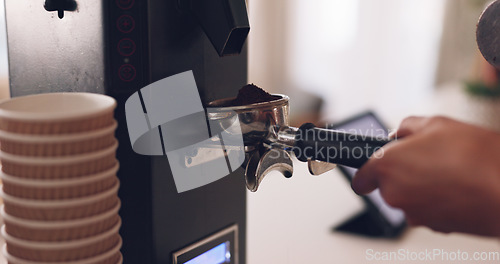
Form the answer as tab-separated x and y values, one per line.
117	47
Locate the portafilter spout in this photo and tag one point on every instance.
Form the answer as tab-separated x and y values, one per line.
269	140
257	122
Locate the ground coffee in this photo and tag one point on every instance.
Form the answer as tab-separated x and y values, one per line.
251	94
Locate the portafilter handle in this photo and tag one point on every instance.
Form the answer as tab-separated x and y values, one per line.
311	143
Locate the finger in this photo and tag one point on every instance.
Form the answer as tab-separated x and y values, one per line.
413	221
393	135
365	180
411	125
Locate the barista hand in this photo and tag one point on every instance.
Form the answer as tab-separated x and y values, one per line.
442	173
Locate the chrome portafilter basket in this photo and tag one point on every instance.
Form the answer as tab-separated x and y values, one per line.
258	122
270	142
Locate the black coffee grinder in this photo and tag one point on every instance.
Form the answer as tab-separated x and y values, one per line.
116	47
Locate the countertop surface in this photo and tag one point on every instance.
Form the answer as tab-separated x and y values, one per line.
290	222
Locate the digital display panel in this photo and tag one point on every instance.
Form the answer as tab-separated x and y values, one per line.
217	255
219	248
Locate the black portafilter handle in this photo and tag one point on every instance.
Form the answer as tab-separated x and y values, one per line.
335	146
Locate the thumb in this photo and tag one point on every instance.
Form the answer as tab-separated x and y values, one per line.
365	180
411	125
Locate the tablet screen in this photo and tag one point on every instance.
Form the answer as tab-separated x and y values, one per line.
369	125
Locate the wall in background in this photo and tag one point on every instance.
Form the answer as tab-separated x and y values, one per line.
4	67
355	55
459	51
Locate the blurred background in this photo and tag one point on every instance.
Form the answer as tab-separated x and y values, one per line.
336	58
4	69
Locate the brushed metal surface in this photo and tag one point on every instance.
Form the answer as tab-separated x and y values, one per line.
49	54
488	34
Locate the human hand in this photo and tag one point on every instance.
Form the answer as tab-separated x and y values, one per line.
442	173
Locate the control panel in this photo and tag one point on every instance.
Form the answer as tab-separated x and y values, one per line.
127	73
221	247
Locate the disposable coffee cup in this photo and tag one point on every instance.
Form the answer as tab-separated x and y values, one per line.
110	257
64	250
35	230
59	188
66	209
57	145
59	167
56	113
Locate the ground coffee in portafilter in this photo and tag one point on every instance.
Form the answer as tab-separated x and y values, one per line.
251	94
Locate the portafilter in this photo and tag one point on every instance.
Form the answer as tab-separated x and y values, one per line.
269	140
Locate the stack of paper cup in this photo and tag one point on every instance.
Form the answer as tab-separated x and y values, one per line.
58	154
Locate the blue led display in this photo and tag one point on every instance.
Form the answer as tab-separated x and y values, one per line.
217	255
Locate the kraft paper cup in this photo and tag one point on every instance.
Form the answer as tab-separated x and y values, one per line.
56	113
59	167
63	250
67	209
112	256
120	259
59	188
35	230
57	145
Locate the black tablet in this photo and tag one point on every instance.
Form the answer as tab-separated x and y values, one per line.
380	219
